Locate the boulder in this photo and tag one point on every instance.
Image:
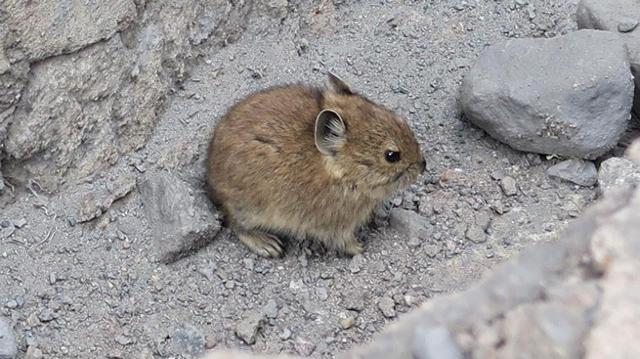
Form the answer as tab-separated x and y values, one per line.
620	17
570	95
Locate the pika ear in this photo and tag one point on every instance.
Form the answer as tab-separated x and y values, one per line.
339	85
330	132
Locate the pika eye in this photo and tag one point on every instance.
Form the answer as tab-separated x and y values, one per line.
392	156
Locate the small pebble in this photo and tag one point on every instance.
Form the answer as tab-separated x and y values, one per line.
286	334
11	304
322	293
271	309
627	25
387	307
509	186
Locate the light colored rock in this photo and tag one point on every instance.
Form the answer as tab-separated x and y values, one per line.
616	173
570	95
435	343
410	224
616	252
187	341
182	220
248	328
583	173
8	345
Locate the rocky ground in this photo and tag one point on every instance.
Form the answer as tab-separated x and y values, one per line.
79	269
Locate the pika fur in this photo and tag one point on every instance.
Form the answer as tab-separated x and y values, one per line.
305	162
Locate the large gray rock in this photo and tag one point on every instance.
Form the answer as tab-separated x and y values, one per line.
182	220
98	79
8	346
570	95
620	17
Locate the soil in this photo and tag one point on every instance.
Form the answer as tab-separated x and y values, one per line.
86	290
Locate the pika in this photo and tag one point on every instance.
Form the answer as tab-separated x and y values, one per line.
307	162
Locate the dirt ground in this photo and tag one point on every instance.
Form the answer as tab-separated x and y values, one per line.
93	290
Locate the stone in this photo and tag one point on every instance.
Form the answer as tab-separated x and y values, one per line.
618	173
580	172
356	263
435	343
536	96
347	320
353	301
183	221
34	353
387	306
509	186
476	234
247	329
8	344
271	309
187	341
411	225
620	17
547	330
90	91
615	250
633	152
627	25
93	200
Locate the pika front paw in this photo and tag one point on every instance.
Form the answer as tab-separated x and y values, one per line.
353	247
263	244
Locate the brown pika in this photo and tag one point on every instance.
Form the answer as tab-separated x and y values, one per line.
306	162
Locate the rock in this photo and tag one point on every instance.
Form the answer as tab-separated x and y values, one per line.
583	173
633	152
8	345
476	234
536	96
410	224
347	320
627	25
89	91
34	353
615	250
271	309
304	347
616	173
549	330
248	328
353	301
435	343
356	263
286	334
509	186
619	17
182	220
387	306
187	341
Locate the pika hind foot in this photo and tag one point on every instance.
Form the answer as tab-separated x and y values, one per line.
264	244
353	247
